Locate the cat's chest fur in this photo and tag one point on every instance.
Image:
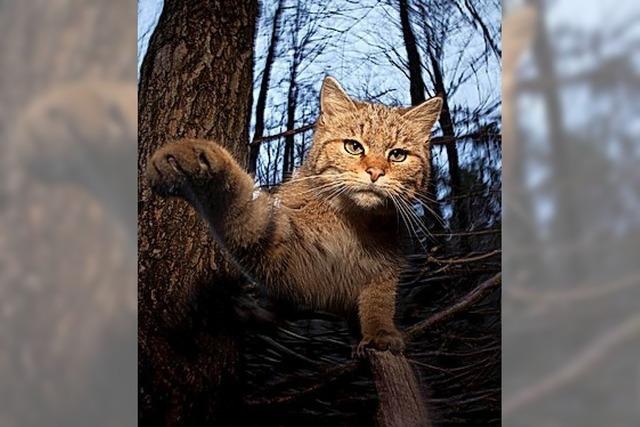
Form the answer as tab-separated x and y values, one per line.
327	258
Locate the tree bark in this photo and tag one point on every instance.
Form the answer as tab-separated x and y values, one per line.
401	403
195	82
254	149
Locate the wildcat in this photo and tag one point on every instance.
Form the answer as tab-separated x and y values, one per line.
330	237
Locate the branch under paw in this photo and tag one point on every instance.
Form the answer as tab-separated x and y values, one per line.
383	340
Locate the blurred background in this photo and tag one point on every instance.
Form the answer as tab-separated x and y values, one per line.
571	297
67	213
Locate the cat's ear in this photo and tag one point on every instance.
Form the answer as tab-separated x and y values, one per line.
426	114
333	99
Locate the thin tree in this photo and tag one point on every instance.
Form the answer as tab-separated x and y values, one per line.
195	82
434	43
446	38
306	45
416	84
254	149
417	88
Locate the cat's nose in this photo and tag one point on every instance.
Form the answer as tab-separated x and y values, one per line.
375	173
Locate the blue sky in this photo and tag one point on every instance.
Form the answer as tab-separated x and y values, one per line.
352	60
356	57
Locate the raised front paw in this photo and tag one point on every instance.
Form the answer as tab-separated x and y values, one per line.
181	168
382	340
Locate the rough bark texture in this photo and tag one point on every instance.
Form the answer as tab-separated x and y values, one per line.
195	81
401	403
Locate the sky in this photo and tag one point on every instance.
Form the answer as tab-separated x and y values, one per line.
352	61
148	14
356	57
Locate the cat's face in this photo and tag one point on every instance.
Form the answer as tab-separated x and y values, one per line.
367	154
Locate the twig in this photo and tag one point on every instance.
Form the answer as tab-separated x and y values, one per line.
283	134
575	294
438	140
328	377
286	350
471	298
466	259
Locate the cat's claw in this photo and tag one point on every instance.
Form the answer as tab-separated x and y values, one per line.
177	169
381	341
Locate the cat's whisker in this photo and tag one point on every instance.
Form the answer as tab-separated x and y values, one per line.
330	192
415	231
316	189
417	225
304	178
425	202
345	189
415	219
415	216
404	215
437	216
401	214
319	187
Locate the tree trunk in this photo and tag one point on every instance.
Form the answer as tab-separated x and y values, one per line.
416	87
566	220
448	131
254	149
195	81
413	56
289	141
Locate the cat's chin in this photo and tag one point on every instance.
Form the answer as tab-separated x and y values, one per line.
367	200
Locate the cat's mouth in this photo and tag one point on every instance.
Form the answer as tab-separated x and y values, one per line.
371	189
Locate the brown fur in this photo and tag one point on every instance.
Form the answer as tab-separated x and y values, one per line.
329	238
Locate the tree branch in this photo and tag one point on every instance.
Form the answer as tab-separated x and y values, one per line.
478	293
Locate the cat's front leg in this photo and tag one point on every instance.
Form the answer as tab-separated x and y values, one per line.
376	310
206	175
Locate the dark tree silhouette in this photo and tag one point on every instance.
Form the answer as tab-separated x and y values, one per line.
261	103
416	82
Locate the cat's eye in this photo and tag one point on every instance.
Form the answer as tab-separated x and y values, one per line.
398	155
353	147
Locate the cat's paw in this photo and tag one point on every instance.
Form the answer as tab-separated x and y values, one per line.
180	168
383	340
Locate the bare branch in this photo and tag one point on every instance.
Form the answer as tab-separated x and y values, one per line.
477	294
